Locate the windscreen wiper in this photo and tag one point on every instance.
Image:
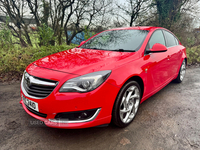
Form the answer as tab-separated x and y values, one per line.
123	50
89	47
95	48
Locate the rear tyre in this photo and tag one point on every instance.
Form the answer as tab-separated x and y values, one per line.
127	104
182	72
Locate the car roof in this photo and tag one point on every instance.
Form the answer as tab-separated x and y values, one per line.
138	28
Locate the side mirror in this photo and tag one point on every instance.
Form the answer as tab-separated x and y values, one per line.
83	42
157	48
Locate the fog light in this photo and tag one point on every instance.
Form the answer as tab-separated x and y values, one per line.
77	115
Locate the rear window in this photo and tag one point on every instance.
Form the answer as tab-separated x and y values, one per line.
170	39
127	40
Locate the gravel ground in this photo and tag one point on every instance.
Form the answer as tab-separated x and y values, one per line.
169	120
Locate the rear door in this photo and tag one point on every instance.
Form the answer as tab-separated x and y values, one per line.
174	52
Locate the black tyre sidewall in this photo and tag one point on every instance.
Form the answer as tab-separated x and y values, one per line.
178	79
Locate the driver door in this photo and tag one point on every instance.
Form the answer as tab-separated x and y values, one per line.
157	65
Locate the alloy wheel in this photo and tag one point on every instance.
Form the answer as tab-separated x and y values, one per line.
183	70
129	104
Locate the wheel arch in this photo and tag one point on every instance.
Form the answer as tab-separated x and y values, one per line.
136	78
139	80
186	61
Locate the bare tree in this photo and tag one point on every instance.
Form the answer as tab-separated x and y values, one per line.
61	11
70	17
15	11
67	18
53	11
169	11
34	9
132	10
86	14
78	15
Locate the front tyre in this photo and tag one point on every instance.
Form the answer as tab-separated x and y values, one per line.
182	72
126	104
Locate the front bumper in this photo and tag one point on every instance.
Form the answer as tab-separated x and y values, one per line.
101	99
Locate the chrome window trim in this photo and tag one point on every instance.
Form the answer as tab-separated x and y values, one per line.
76	121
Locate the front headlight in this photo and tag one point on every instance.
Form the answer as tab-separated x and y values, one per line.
86	82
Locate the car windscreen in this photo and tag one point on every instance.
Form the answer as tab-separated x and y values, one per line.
117	40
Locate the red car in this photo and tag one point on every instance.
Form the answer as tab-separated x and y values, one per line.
104	79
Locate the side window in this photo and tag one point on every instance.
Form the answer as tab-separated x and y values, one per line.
157	37
177	42
170	39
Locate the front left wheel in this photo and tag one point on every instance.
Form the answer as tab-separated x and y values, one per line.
127	104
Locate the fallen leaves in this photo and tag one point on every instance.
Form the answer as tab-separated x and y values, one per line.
125	141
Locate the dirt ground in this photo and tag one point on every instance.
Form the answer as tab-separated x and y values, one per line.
169	120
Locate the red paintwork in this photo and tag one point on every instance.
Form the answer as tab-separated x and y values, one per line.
81	61
156	70
82	43
158	47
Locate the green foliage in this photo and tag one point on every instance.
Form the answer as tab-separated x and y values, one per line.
169	11
88	33
45	51
34	39
193	54
191	41
17	59
46	35
5	36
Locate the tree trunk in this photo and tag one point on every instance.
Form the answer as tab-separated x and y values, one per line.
131	21
68	42
22	42
60	37
28	38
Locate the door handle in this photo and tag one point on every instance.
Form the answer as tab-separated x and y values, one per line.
168	57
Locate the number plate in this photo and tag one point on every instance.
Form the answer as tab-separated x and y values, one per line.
31	104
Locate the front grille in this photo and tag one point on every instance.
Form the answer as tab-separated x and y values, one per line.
37	87
36	113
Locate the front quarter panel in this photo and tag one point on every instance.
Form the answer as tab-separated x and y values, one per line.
121	75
